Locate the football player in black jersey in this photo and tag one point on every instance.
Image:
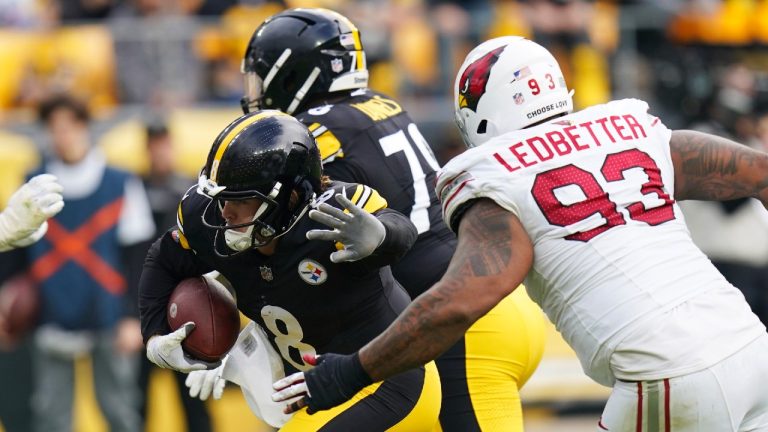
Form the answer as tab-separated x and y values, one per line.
310	63
258	200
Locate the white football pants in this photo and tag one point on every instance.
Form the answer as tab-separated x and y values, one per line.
729	396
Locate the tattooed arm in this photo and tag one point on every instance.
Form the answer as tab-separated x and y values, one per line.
493	256
708	167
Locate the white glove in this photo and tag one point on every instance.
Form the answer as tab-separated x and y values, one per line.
166	352
359	231
21	223
202	383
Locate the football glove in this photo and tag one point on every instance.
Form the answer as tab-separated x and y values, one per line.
359	231
333	381
203	383
23	220
166	352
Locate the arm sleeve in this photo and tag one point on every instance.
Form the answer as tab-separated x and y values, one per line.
167	263
401	235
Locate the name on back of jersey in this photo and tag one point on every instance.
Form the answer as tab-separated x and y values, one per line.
378	108
568	138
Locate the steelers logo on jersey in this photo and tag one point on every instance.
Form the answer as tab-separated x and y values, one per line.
312	272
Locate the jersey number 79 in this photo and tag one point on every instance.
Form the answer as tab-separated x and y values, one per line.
400	142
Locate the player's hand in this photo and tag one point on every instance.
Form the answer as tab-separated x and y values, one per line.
32	238
203	383
359	231
23	220
166	352
333	381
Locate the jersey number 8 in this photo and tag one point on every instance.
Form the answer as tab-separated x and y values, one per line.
288	335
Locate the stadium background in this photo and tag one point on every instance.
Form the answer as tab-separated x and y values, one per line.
698	62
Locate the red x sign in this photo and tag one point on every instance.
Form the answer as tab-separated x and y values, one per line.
75	246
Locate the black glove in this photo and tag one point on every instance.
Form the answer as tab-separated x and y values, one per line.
333	381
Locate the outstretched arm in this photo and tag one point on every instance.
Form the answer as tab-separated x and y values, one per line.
493	256
708	167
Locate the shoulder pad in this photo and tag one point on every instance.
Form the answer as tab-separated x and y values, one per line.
361	195
328	144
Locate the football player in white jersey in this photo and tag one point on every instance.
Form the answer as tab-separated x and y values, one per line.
583	207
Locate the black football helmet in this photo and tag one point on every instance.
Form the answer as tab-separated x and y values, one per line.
299	53
265	155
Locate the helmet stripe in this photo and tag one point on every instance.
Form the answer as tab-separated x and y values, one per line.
275	68
227	140
303	90
359	48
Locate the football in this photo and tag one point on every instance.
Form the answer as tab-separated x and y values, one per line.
207	303
19	305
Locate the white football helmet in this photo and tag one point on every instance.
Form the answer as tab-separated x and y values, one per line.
506	84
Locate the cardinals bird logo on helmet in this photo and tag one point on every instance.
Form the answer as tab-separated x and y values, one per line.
475	78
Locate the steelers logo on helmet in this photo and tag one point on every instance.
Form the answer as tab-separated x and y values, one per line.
474	79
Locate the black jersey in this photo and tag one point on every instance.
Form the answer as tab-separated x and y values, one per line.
368	138
304	301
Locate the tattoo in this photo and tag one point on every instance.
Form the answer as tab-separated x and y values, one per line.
708	167
486	266
485	239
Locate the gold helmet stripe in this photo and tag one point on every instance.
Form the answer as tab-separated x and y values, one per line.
227	140
359	48
355	36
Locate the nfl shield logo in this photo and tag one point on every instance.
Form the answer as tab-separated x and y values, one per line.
337	65
518	97
266	273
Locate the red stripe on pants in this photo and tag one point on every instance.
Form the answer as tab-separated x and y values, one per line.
667	414
639	427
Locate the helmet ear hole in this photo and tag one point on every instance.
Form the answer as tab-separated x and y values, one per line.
289	82
482	126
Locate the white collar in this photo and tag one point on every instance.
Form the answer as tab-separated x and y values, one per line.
81	178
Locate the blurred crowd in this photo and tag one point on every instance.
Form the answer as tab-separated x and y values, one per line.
144	70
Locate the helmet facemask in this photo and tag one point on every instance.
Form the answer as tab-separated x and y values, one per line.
253	89
274	217
266	156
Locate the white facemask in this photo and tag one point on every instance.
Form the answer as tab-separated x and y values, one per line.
240	241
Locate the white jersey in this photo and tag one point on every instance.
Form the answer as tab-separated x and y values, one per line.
614	266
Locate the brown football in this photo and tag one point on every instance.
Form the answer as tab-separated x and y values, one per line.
208	304
19	305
